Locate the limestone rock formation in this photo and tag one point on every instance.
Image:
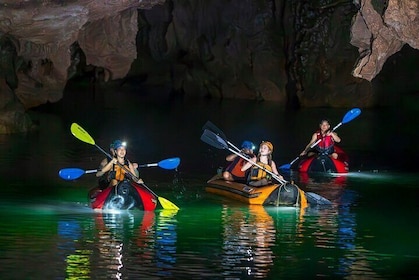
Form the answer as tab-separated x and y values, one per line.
36	60
296	53
379	31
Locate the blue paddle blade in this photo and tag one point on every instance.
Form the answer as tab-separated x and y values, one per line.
285	167
351	114
70	173
170	163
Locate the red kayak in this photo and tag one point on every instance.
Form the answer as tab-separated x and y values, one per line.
126	195
325	163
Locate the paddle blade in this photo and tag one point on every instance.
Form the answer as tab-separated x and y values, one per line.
166	204
170	163
210	126
350	115
71	173
168	213
285	167
315	199
288	166
214	140
81	134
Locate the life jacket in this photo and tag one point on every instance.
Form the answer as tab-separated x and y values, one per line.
326	145
257	173
235	167
119	172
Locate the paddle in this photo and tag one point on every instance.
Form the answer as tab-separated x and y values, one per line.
82	135
170	163
349	116
218	142
75	173
212	127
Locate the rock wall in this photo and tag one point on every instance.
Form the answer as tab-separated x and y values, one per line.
380	30
295	53
36	49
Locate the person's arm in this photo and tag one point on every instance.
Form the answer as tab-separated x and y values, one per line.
248	164
307	148
275	170
335	136
231	157
135	172
131	168
103	163
109	165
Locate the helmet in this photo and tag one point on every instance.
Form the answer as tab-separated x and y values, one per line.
324	120
117	144
248	145
269	144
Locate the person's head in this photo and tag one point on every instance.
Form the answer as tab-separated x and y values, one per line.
324	125
266	148
118	147
248	147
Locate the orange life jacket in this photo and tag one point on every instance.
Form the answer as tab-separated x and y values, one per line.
257	173
235	168
119	172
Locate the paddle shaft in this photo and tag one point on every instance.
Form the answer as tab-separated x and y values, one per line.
148	165
349	116
231	144
127	170
84	136
321	199
276	177
319	140
74	173
218	142
294	160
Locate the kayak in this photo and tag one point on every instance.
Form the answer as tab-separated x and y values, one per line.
325	163
273	194
126	195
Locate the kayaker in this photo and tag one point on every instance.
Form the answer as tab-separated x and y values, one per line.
257	175
233	171
110	172
326	145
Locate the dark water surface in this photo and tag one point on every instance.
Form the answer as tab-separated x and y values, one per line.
49	232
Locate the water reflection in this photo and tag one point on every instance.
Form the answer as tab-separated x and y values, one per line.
370	231
77	264
166	238
329	186
134	244
247	240
113	237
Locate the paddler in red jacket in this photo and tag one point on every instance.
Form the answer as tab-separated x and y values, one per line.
326	145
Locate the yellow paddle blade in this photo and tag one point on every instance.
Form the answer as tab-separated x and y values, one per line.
81	134
166	204
167	213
